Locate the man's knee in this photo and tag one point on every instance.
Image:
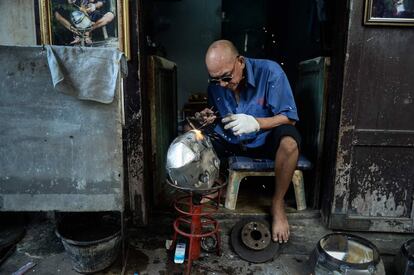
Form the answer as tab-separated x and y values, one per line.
108	17
288	145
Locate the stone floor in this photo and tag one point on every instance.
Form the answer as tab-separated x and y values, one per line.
146	254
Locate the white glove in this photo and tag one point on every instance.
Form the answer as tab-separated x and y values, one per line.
241	124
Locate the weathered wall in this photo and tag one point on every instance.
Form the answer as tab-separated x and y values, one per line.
17	22
375	176
56	152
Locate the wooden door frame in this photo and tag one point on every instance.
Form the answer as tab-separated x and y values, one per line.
137	120
335	86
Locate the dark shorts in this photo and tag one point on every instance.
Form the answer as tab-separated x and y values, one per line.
224	149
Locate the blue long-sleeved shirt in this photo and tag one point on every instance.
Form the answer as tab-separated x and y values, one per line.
267	93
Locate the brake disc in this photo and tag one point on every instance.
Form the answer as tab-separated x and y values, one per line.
251	240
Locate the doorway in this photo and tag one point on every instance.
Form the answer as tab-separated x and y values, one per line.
287	32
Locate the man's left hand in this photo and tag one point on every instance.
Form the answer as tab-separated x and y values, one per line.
241	124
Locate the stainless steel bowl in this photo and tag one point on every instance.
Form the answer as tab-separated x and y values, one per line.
342	253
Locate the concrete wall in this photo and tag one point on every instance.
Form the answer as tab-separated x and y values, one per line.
190	27
17	22
56	152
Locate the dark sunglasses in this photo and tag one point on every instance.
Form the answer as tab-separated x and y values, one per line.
217	80
225	78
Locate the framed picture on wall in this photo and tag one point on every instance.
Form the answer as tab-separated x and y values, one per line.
389	12
89	23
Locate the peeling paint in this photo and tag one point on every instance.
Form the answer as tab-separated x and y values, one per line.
343	169
377	204
136	167
81	184
373	168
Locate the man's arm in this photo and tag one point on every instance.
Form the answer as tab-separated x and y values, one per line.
267	123
65	23
280	100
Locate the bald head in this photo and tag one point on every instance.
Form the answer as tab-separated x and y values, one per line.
220	53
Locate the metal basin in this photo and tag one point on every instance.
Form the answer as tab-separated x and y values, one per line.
341	253
404	260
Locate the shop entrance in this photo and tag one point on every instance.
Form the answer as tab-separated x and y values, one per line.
295	34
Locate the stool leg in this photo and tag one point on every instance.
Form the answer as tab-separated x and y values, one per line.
233	189
299	186
104	32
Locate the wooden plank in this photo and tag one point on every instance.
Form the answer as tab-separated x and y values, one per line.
311	97
162	95
374	137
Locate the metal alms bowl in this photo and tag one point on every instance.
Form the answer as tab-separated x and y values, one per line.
80	20
344	253
192	163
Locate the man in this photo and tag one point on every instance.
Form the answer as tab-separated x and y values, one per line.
252	106
93	9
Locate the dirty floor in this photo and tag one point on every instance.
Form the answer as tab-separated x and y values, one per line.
145	252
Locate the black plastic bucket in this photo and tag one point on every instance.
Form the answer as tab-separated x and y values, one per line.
91	241
404	260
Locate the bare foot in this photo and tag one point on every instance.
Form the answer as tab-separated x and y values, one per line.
76	40
280	225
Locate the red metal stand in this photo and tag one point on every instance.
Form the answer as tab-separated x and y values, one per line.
195	222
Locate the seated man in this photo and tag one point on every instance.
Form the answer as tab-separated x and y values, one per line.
93	9
257	112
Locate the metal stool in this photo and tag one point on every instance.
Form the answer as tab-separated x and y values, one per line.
241	167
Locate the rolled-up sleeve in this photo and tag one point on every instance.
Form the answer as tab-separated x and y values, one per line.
280	97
